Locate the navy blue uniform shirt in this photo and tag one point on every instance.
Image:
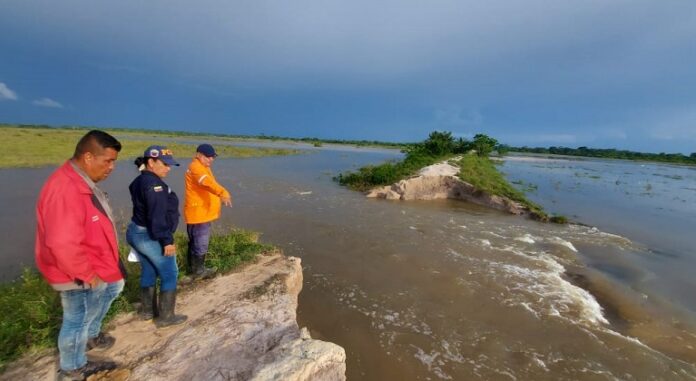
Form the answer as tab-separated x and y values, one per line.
155	206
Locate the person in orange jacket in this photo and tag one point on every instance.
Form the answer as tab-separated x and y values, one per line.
203	200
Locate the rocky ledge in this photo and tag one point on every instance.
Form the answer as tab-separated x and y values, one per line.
440	181
241	326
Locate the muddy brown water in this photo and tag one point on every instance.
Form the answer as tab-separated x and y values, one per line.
443	289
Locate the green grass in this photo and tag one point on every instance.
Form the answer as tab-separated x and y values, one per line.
482	174
30	310
30	316
559	219
476	170
439	146
33	147
386	173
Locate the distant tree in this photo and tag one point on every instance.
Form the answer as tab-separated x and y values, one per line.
502	149
439	143
462	146
484	144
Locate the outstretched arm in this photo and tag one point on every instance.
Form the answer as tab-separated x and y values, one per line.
209	183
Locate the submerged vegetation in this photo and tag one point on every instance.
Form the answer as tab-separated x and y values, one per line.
30	310
46	145
525	187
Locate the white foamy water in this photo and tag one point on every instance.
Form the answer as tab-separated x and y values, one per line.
564	243
544	292
518	279
525	238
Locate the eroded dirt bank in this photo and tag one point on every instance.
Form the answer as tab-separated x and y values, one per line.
241	326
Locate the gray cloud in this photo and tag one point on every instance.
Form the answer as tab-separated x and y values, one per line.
546	139
564	70
454	117
379	43
47	102
674	125
6	93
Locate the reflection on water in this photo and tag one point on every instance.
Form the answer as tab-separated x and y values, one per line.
447	290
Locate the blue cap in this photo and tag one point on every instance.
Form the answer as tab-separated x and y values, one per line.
207	150
162	153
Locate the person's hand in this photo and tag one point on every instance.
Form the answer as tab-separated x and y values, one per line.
169	250
227	201
95	282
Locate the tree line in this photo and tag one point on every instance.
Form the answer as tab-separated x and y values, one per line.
441	144
609	153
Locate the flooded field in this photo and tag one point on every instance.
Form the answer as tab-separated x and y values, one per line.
447	290
652	204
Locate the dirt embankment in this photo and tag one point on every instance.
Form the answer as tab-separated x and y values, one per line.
241	326
440	181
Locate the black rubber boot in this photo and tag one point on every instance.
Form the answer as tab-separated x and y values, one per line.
102	342
189	262
148	298
167	317
198	269
80	374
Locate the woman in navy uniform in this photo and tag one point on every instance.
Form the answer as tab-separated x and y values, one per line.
150	234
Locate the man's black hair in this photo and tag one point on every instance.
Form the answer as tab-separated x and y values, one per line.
94	142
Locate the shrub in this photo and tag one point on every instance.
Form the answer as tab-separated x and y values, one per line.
484	144
559	219
438	146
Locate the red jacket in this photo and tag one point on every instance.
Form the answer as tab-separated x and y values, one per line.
74	239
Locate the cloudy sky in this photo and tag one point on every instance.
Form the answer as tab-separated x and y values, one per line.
598	73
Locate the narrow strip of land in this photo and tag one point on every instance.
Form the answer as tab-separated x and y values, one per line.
35	147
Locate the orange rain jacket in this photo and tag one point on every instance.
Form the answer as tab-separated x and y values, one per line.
203	193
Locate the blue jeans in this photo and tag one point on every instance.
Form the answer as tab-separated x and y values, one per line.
83	312
153	262
199	237
108	296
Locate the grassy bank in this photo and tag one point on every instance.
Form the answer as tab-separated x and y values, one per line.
482	174
386	173
475	168
437	147
30	311
33	147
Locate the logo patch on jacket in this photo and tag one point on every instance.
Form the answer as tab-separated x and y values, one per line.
95	218
157	188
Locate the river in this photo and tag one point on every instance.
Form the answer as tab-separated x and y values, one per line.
447	290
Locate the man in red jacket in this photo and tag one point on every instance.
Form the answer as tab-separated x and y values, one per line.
77	251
